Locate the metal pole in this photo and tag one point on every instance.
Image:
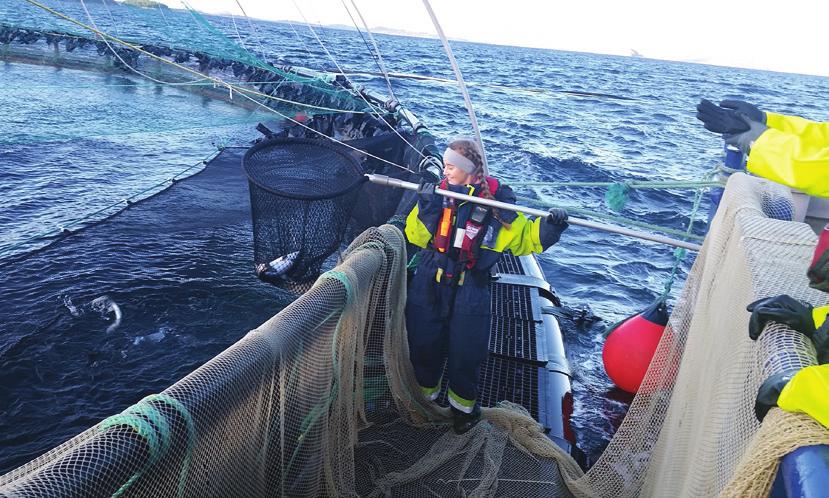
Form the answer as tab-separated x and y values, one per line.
394	182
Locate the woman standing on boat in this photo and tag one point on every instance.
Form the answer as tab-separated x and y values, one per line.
448	308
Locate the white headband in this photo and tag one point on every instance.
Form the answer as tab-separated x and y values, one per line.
458	160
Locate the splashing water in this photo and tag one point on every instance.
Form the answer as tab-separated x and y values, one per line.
105	305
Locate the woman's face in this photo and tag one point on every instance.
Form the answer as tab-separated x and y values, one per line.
455	175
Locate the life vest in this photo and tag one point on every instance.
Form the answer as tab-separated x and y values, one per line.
467	240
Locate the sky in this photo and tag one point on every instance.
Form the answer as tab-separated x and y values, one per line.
786	36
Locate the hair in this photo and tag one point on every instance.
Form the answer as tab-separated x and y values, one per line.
468	147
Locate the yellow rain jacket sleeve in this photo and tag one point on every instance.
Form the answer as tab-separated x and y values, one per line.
793	151
416	232
808	391
521	238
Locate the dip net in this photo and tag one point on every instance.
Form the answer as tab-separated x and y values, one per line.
302	193
321	399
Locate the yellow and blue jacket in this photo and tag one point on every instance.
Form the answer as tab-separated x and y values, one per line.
523	236
793	151
808	391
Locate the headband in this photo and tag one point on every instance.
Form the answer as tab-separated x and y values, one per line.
458	160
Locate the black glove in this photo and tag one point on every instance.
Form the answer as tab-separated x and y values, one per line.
818	273
557	216
426	188
554	225
751	111
821	342
769	392
781	309
719	120
745	140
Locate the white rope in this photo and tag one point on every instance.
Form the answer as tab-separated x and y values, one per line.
252	27
241	91
304	45
242	42
461	83
380	61
115	53
334	60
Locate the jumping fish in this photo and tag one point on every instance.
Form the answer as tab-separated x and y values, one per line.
106	305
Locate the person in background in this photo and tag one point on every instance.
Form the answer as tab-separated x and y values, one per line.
785	149
806	390
448	306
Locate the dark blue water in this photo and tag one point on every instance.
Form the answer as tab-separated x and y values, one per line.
73	142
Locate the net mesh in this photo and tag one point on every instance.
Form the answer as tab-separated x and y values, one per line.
321	399
302	192
693	421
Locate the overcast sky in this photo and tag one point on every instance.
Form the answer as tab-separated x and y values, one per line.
788	35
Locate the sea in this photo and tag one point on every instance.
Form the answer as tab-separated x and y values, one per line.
77	145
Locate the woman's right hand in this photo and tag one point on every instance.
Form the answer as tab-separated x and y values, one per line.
557	216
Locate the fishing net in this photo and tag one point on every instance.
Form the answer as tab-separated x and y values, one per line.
321	399
302	192
691	430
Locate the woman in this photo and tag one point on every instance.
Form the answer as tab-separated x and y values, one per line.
447	311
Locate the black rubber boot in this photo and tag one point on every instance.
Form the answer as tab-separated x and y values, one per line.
463	422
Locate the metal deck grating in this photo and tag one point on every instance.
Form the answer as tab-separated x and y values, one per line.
511	301
513	338
505	380
509	264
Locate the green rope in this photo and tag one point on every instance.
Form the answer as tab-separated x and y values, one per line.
679	252
343	278
622	220
152	425
633	185
148	423
191	433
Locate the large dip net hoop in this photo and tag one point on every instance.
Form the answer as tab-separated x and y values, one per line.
302	193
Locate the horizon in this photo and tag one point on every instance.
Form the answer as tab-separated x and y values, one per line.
641	26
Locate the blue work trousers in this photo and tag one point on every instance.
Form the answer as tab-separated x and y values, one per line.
447	320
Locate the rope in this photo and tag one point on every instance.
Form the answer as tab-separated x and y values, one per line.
146	421
191	433
118	56
241	91
636	185
217	81
371	106
679	253
621	220
461	84
252	27
376	50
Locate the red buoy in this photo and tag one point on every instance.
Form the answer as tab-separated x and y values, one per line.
630	346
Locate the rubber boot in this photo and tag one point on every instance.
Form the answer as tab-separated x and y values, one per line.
463	422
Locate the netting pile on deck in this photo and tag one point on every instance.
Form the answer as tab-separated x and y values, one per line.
321	399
